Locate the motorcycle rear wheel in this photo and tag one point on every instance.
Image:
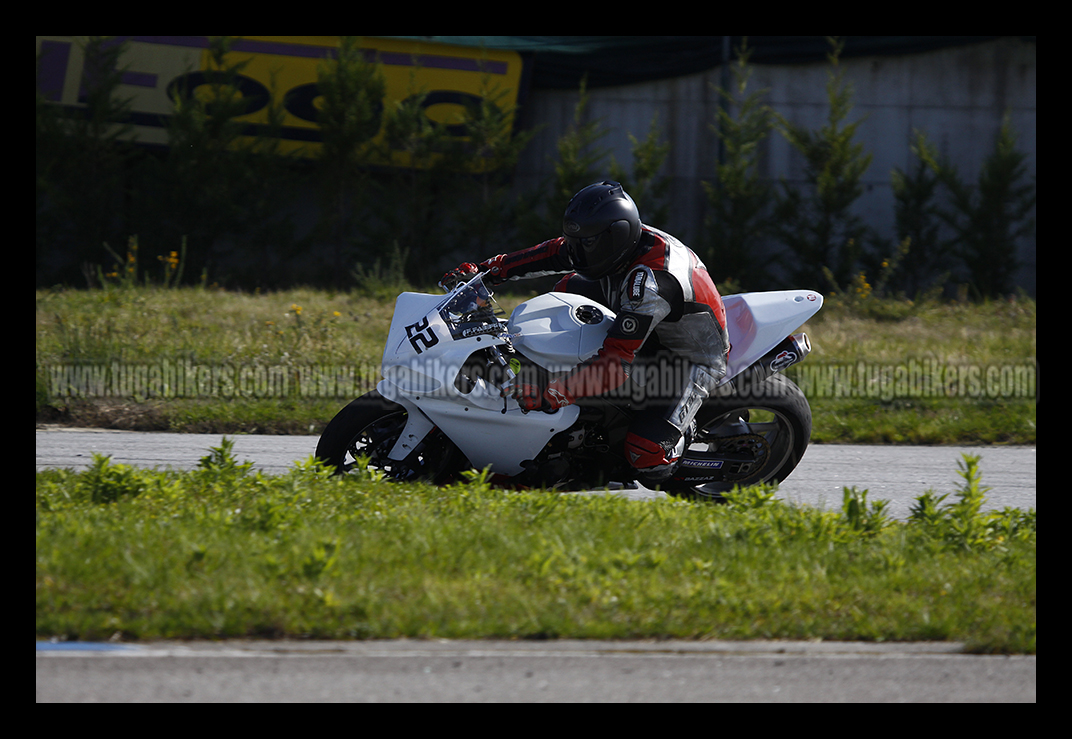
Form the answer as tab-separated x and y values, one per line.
364	432
772	426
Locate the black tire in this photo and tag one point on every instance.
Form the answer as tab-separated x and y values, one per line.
772	424
369	427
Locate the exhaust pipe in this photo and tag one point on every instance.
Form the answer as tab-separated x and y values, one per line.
788	352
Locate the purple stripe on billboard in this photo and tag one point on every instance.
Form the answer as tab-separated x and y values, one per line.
195	42
432	61
53	71
442	62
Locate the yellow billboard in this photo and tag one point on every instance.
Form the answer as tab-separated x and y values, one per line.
283	69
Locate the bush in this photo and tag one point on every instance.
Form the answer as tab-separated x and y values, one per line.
989	218
824	237
740	200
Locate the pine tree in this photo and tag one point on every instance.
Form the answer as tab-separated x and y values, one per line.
83	159
579	159
739	198
990	217
825	238
645	185
351	89
925	256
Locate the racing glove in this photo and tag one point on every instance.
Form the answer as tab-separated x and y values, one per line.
464	271
495	267
550	399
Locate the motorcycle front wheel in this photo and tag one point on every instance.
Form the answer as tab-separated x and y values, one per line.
363	433
759	438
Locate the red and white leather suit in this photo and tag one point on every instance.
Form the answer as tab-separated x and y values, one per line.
663	297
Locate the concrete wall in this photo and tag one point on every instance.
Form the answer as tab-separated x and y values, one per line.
958	96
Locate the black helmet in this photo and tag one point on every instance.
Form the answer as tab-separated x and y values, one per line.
602	229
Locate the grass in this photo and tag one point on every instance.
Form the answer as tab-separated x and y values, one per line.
296	330
969	372
221	551
224	552
209	326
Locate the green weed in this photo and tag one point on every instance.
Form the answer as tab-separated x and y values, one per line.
225	552
105	482
866	518
963	524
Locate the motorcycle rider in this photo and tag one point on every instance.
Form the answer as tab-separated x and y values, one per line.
663	298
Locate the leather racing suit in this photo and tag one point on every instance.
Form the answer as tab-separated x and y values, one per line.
665	301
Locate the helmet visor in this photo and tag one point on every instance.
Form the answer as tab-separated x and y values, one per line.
584	251
599	255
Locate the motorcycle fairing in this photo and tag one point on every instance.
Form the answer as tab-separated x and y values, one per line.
757	322
429	341
487	437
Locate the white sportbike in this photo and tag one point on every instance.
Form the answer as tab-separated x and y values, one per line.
445	404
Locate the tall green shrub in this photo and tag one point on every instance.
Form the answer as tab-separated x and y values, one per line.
82	166
990	217
824	236
739	199
418	197
492	218
351	90
580	159
925	255
218	186
445	186
645	183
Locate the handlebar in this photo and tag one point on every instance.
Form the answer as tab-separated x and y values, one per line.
450	281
